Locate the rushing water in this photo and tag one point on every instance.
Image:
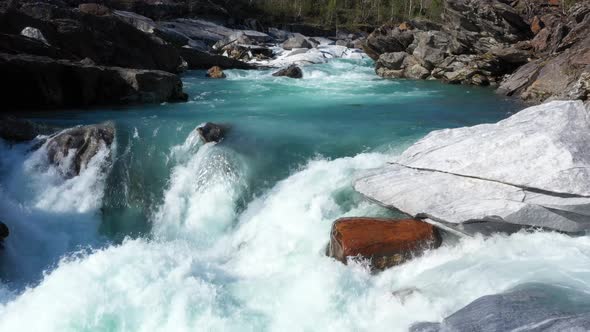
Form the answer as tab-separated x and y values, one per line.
185	236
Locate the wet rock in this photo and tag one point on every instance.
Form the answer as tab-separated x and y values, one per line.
35	82
393	61
73	149
292	71
140	22
211	132
416	72
386	242
4	232
215	72
531	169
297	41
20	130
527	308
34	33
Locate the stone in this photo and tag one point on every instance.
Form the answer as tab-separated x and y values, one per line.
417	72
292	71
392	61
527	308
140	22
4	231
297	41
387	39
34	33
211	132
532	169
36	82
279	35
385	242
537	25
19	130
72	149
215	72
94	9
197	59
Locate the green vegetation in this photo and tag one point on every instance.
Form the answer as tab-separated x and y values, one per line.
348	13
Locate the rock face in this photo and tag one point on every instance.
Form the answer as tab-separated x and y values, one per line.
527	308
385	242
211	132
532	169
42	82
72	149
563	68
4	232
292	71
215	72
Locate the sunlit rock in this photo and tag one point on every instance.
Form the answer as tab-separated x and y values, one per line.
386	242
532	169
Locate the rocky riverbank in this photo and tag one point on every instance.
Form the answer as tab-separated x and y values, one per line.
529	49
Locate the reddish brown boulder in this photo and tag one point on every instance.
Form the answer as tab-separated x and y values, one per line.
215	72
405	26
386	242
94	9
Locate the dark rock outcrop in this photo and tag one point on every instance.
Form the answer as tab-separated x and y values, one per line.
527	308
202	60
211	132
34	82
385	242
20	130
4	232
83	142
215	72
293	71
297	41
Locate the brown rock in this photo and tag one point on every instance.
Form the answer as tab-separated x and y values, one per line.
405	26
292	71
386	242
215	72
94	9
537	25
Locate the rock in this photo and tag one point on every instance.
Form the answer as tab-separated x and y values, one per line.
15	44
292	71
202	60
417	72
20	130
391	61
537	25
140	22
387	39
211	132
297	41
511	55
279	35
73	149
526	308
94	9
385	242
215	72
35	82
34	33
107	40
4	231
532	169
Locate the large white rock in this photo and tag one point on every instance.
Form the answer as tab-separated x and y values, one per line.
531	169
546	147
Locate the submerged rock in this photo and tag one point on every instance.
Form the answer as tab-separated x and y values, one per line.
215	72
532	169
72	149
292	71
386	242
211	132
526	308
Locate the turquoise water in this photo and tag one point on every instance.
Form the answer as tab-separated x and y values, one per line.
179	235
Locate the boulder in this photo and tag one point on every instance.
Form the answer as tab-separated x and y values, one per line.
530	170
297	41
15	44
20	130
392	61
197	59
72	149
211	132
140	22
4	232
94	9
386	242
215	72
417	72
36	82
292	71
34	33
279	35
387	39
526	308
